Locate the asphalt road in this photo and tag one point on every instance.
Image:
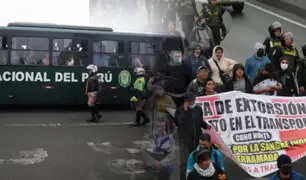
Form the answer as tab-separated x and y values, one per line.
61	146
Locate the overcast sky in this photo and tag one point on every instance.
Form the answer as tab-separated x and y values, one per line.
47	11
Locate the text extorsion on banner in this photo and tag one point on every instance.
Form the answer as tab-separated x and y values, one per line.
256	129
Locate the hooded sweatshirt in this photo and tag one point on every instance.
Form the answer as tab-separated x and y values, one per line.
254	63
243	85
224	63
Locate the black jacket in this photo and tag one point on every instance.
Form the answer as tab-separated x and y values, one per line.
230	83
275	42
288	80
191	65
302	72
93	83
194	175
189	123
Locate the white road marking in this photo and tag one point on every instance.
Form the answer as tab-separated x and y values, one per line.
107	147
276	15
70	125
27	157
133	150
127	166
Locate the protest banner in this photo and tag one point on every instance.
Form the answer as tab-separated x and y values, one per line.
253	130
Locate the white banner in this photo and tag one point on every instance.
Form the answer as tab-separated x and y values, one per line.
253	130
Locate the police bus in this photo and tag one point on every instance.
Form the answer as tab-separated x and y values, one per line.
45	64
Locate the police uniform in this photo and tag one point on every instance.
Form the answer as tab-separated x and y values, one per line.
138	99
302	71
291	53
92	90
213	14
186	12
272	42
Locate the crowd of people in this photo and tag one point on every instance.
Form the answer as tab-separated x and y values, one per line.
274	69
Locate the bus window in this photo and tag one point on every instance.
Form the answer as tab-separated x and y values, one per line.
70	52
3	50
109	53
142	54
30	51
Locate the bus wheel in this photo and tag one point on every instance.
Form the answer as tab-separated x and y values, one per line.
238	8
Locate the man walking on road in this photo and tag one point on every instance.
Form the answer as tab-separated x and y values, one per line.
213	15
189	120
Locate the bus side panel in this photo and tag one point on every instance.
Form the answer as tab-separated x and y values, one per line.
58	86
116	91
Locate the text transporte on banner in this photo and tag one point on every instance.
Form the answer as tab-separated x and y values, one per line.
253	130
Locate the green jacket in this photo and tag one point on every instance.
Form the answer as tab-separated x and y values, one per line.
213	14
139	83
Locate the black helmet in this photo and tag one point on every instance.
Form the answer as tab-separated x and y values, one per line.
304	50
274	26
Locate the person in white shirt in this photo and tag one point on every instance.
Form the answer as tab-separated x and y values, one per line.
221	67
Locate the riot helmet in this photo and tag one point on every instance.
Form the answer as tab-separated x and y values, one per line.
287	38
92	69
140	71
274	27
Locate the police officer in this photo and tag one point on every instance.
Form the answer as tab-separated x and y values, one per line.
302	72
186	12
275	30
213	15
92	90
287	50
139	100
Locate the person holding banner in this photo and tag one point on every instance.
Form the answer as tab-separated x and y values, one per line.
189	120
215	155
205	169
285	171
266	81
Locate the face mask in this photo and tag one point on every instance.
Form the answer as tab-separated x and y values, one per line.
284	66
177	59
192	106
260	52
286	169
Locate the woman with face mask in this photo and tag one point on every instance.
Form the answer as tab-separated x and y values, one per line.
254	63
288	79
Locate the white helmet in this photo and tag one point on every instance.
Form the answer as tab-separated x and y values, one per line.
140	71
92	68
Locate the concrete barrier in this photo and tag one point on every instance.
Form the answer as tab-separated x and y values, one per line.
297	7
